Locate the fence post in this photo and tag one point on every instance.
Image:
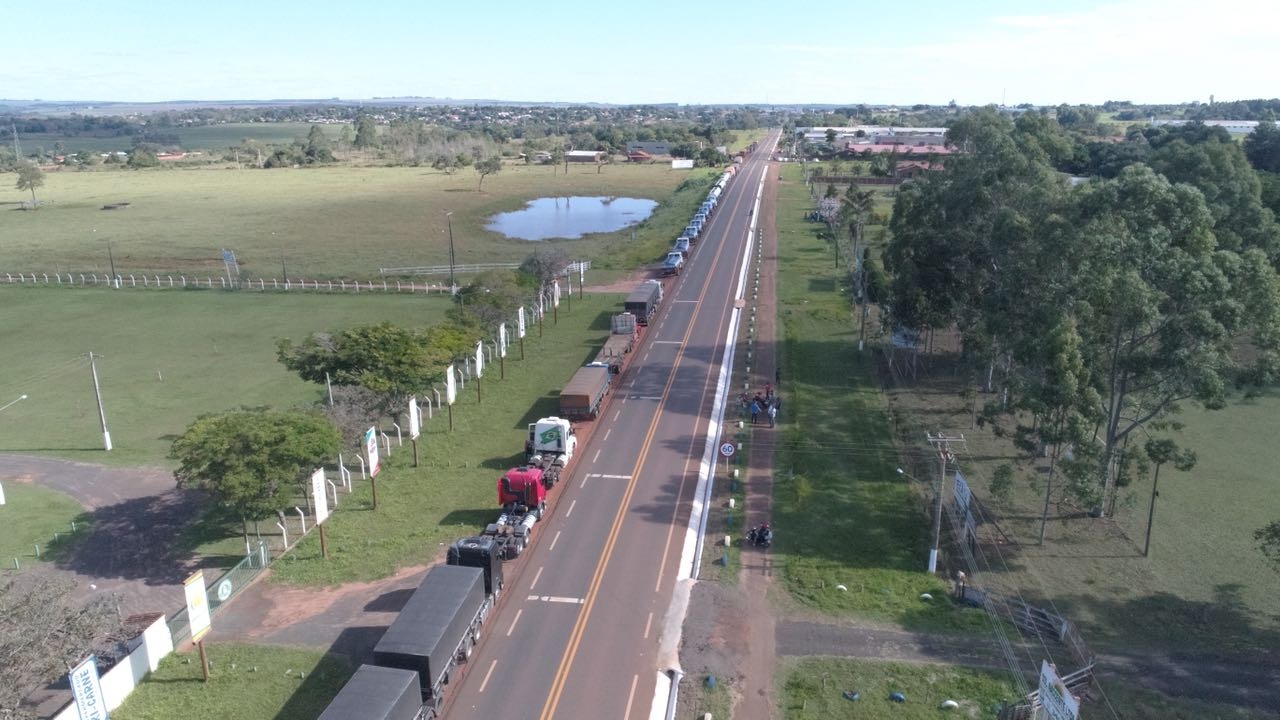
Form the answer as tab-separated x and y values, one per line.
386	443
46	278
284	534
59	275
362	472
334	490
399	438
302	519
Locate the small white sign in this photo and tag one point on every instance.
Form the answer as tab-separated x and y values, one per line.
415	419
197	605
555	293
1055	698
450	386
726	449
678	164
371	451
479	358
502	340
520	322
319	498
87	690
582	273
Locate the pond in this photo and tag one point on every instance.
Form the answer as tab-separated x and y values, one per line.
570	217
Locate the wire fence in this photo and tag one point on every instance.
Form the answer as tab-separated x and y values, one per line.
221	282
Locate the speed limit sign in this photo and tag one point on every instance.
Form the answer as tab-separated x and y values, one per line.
726	449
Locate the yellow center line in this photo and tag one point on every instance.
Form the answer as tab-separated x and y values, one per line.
575	637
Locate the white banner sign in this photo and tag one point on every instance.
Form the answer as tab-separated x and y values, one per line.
415	419
678	164
371	451
520	322
555	293
479	358
502	340
87	690
1055	698
197	605
319	497
450	386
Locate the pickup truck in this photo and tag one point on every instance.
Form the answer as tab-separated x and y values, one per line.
673	264
681	246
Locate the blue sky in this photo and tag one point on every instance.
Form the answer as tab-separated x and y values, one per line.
714	51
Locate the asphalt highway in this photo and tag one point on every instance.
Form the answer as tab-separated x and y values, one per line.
576	633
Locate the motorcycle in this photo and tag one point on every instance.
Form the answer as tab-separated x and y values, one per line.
761	536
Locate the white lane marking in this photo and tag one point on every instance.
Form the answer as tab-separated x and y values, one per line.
571	506
645	358
536	576
624	399
555	540
584	481
616	413
616	477
596	456
486	675
606	434
647	624
645	397
685	301
521	612
557	599
667	342
631	696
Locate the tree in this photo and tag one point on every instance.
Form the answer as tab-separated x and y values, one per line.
1161	305
251	461
391	361
545	265
317	148
30	177
1268	538
1161	451
366	133
831	136
491	166
345	138
489	298
45	628
1262	147
142	156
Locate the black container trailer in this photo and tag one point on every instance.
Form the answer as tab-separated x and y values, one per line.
377	693
437	629
484	552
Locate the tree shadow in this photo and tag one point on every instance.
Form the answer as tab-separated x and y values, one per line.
471	517
316	691
390	601
135	539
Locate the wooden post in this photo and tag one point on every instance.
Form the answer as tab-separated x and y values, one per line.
502	368
373	483
450	417
522	347
477	389
324	548
204	661
415	451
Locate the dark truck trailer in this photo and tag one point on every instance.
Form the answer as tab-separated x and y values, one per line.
615	351
484	552
377	693
643	301
582	396
437	628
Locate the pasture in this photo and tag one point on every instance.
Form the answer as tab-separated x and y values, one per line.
214	139
815	687
167	357
331	222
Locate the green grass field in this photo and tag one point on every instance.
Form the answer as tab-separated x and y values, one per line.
167	357
32	515
245	681
844	515
814	687
337	221
1204	577
452	494
209	138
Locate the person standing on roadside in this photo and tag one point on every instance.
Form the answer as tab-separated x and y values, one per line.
773	414
755	411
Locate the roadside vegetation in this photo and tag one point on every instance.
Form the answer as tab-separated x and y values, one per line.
815	688
843	513
34	515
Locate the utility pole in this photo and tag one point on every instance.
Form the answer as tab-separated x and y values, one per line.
453	285
943	445
97	392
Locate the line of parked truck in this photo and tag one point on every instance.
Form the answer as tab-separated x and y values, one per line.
436	632
679	253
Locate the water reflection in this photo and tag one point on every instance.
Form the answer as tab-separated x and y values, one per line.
571	217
